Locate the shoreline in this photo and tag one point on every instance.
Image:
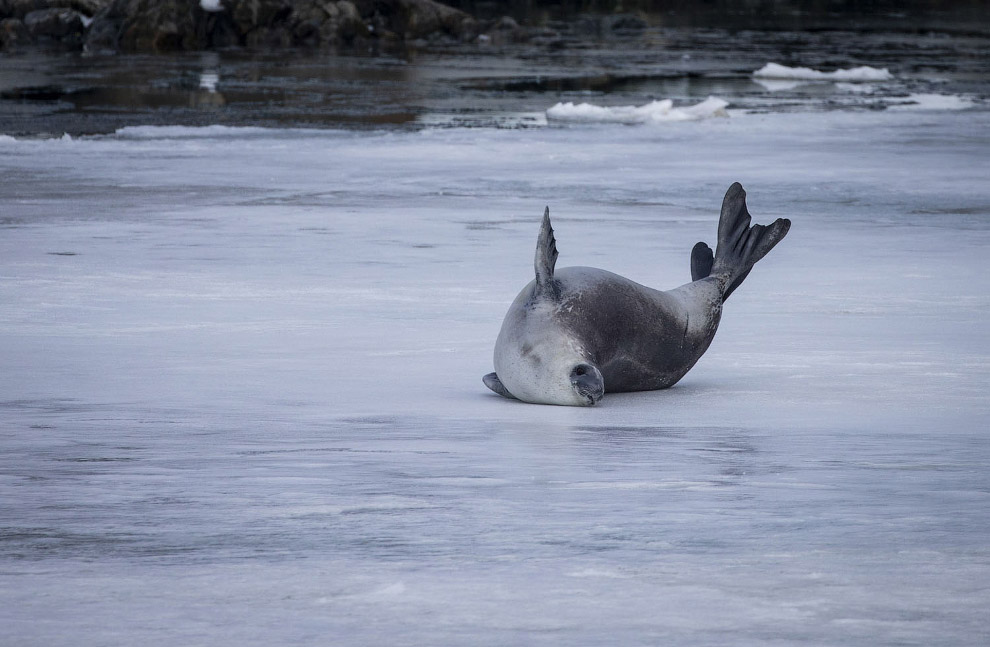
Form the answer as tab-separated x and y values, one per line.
389	27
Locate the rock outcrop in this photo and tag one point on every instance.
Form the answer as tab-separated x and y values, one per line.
60	24
176	25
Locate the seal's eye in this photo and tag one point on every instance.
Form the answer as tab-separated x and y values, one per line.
580	370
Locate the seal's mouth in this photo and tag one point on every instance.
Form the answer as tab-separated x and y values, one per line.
591	399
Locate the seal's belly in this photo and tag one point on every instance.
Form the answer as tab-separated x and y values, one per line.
628	374
639	338
645	364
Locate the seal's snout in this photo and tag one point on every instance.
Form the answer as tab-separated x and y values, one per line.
588	382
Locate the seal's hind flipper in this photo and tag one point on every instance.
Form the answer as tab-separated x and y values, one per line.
735	284
701	261
546	257
492	382
740	245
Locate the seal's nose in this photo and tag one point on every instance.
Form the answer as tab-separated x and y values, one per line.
588	382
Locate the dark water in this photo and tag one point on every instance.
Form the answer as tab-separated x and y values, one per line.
960	16
479	84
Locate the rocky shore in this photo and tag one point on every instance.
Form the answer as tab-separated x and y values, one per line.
101	26
107	26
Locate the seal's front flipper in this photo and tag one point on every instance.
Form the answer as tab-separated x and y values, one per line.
492	382
740	245
546	258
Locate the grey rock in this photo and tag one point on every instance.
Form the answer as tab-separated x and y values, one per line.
503	31
506	23
13	33
166	25
624	22
250	15
425	17
269	37
56	24
21	8
159	26
344	24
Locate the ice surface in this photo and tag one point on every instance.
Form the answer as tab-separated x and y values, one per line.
933	102
778	85
653	112
241	398
858	88
209	132
856	74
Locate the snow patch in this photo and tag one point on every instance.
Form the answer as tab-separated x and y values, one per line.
211	5
856	74
597	572
653	112
208	81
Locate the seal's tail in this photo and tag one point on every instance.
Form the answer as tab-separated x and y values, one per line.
740	245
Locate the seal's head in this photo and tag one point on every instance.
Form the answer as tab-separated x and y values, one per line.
537	360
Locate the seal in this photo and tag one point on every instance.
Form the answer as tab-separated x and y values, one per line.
575	333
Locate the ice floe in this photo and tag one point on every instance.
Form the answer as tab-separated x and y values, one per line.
856	74
653	112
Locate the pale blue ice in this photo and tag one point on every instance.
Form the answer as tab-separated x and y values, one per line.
241	398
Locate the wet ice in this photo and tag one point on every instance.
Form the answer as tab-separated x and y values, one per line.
241	394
